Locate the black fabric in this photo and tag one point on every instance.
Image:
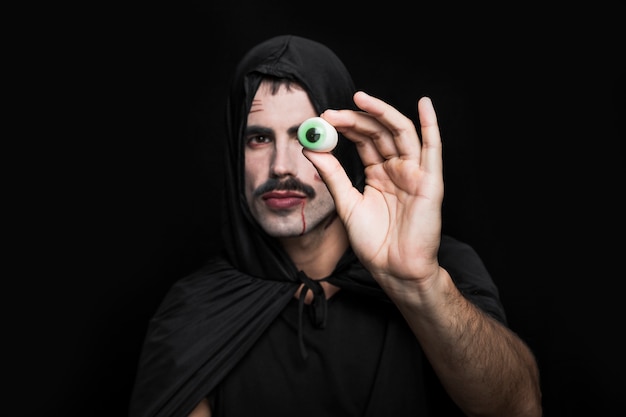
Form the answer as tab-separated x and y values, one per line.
365	362
210	319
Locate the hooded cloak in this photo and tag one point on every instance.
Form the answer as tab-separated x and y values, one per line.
209	320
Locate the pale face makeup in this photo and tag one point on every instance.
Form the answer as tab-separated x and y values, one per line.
285	194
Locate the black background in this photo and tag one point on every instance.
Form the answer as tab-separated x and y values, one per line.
124	185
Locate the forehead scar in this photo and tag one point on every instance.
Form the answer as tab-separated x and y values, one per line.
257	105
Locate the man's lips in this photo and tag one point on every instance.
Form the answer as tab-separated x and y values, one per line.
278	200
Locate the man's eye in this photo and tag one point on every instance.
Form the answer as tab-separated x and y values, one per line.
258	139
317	135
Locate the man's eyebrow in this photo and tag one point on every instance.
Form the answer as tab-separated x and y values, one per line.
258	130
261	130
293	130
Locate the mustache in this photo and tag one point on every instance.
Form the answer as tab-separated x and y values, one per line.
290	184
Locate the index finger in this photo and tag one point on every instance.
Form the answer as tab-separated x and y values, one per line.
431	148
401	127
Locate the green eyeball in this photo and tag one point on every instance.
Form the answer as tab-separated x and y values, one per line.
317	135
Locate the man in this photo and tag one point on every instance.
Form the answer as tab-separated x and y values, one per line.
336	293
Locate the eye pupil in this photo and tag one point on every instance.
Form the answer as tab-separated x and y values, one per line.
313	135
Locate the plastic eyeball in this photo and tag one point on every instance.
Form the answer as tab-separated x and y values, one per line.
317	135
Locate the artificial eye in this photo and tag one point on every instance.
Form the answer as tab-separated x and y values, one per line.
317	135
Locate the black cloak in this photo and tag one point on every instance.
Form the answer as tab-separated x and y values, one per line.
209	319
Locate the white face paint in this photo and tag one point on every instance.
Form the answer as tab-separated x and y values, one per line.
273	154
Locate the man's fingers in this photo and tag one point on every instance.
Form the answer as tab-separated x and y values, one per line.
403	133
431	137
362	129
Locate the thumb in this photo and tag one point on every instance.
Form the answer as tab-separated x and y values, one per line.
336	179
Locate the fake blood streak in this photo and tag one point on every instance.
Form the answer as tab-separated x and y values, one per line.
303	219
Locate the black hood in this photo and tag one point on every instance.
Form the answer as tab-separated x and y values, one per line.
209	319
329	86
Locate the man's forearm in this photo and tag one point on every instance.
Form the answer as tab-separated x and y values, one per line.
485	367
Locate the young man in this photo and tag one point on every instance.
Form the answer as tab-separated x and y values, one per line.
336	294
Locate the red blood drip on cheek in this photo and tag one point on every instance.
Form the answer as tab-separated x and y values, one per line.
303	219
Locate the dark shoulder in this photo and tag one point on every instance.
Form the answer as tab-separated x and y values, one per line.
471	275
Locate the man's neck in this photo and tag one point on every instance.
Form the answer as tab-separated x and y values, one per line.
318	251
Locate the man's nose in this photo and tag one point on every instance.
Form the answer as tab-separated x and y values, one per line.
285	159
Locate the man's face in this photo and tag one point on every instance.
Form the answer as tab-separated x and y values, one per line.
284	192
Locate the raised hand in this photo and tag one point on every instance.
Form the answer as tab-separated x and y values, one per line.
394	226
